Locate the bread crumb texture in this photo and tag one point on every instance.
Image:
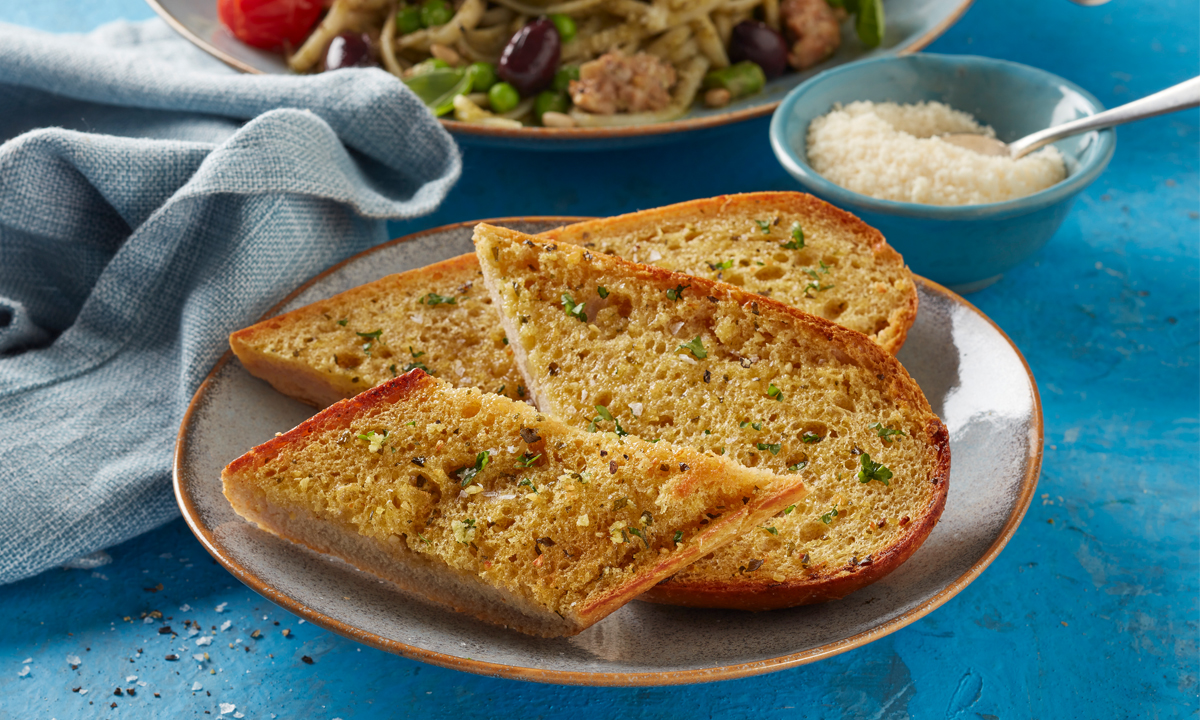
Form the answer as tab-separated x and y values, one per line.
555	517
690	361
436	319
892	152
787	246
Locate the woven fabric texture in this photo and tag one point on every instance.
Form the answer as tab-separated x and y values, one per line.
151	202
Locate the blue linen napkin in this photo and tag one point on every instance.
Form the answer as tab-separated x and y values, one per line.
151	202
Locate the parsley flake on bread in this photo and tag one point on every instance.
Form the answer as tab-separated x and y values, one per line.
610	345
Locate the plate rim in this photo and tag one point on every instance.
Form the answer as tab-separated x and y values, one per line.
574	677
550	135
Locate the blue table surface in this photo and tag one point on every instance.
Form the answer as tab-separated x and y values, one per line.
1090	612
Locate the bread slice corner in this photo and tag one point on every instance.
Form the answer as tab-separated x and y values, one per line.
435	318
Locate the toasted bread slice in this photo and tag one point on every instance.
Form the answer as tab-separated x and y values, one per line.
433	318
840	269
489	507
787	246
702	363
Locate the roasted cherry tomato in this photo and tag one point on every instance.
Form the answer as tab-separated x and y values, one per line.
269	24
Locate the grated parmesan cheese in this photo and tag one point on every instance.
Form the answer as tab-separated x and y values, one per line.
892	152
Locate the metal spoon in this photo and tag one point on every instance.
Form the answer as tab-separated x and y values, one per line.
1179	97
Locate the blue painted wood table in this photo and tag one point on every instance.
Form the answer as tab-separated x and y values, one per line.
1090	612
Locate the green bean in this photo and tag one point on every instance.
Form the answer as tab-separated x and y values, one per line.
869	23
741	79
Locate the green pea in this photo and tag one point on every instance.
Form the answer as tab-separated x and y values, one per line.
566	27
408	19
564	76
503	97
436	12
483	76
550	101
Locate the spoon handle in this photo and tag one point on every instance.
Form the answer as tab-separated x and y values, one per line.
1178	97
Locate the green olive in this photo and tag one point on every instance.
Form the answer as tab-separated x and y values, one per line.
503	97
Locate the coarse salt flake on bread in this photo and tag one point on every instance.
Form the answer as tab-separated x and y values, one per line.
608	344
487	506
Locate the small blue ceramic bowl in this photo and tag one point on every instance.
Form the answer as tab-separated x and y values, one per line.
965	247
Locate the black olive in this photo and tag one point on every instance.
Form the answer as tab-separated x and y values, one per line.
761	45
531	57
349	50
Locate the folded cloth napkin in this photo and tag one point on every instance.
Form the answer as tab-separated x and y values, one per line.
152	201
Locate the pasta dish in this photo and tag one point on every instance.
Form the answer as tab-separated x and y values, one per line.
569	63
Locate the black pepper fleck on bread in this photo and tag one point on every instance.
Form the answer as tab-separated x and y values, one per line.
485	505
609	344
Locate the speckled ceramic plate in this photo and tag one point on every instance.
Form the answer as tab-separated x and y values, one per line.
974	377
911	25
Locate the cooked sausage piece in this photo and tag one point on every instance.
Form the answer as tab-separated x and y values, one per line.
813	29
614	83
